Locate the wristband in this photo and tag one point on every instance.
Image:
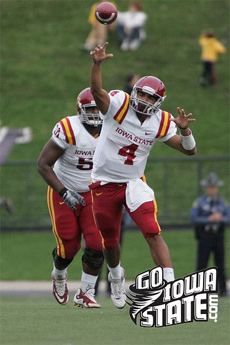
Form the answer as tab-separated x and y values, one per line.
97	62
188	142
62	192
182	128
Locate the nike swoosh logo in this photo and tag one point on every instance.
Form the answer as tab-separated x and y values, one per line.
97	194
61	300
61	202
147	133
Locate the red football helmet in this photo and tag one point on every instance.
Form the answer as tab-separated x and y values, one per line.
152	86
87	108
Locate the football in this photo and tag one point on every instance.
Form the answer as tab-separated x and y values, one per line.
106	13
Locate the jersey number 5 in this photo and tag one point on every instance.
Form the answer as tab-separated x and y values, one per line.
129	153
85	164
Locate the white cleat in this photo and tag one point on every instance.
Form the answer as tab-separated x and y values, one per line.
85	299
118	290
60	290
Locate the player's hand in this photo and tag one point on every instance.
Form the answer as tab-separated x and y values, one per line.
71	198
99	53
183	120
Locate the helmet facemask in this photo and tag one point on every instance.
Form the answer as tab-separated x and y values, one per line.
143	107
88	116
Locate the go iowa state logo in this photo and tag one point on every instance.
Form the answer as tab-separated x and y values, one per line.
155	303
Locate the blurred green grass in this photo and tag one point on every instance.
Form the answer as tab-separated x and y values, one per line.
41	321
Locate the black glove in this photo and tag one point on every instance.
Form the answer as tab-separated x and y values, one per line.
71	198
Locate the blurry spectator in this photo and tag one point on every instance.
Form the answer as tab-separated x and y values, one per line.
11	136
7	205
99	32
210	49
131	80
130	26
210	214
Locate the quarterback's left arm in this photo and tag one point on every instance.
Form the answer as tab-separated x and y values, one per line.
184	142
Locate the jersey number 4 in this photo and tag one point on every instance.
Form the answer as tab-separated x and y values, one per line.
129	153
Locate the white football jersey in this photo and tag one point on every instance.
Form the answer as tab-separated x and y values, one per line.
124	144
74	167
